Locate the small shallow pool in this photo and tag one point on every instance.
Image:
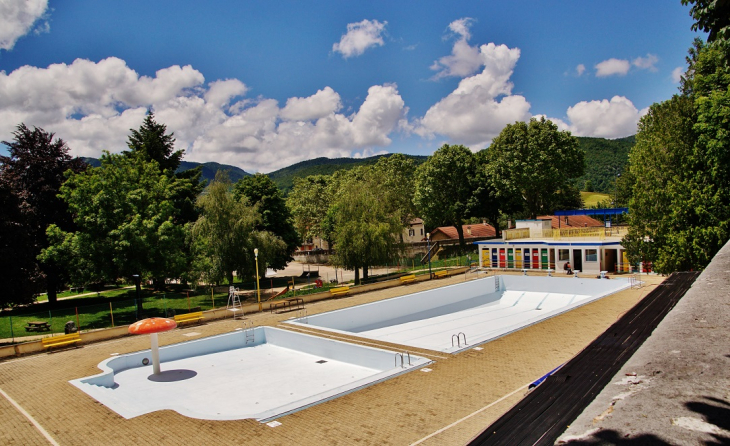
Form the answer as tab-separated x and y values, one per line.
457	317
261	373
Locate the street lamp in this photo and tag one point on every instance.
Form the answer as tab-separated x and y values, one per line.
428	239
258	290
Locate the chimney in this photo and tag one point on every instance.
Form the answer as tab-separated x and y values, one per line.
468	229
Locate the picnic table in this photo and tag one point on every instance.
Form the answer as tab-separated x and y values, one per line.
287	303
37	326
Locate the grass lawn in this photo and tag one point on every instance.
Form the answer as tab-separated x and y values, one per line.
592	198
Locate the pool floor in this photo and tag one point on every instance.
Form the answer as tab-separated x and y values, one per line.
234	384
224	378
459	316
515	309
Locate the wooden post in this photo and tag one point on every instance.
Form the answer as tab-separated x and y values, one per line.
111	313
78	325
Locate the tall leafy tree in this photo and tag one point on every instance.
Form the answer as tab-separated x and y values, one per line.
151	142
125	219
225	235
444	188
309	201
680	206
711	16
364	226
261	191
534	163
33	174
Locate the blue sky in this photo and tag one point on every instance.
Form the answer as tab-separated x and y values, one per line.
262	85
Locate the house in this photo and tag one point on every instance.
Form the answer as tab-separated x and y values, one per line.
571	221
415	232
541	244
472	232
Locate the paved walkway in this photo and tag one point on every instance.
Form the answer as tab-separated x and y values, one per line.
676	388
448	405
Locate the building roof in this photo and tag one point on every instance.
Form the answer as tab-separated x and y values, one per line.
572	221
475	230
416	221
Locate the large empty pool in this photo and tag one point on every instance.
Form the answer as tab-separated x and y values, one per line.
459	316
261	373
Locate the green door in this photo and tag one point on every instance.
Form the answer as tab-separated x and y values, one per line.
544	258
510	258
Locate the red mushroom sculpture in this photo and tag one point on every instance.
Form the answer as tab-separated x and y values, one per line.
152	326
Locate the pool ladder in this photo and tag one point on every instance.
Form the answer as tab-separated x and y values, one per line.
402	359
249	331
303	316
458	339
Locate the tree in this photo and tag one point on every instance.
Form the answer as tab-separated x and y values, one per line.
151	143
365	227
225	235
33	175
261	191
680	207
534	163
443	188
125	219
19	271
308	202
397	178
711	16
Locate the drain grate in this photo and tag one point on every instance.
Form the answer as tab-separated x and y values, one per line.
321	361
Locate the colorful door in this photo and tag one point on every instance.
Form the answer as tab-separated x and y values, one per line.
494	257
545	260
535	258
485	257
510	258
501	258
518	258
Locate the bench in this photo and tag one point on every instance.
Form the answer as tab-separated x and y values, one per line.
189	317
440	274
407	279
59	341
340	291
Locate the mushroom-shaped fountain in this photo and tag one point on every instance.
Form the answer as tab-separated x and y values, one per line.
152	326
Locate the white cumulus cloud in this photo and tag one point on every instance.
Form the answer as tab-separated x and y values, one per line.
677	74
481	105
92	106
580	69
317	106
17	18
616	118
612	67
464	59
646	63
359	37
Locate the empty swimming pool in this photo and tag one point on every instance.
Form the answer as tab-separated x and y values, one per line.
455	317
262	373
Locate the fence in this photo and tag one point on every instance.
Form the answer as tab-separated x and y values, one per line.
14	327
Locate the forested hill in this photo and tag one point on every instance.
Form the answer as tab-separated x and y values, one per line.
284	178
604	159
209	169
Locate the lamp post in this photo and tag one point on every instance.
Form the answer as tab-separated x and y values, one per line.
137	286
258	290
428	240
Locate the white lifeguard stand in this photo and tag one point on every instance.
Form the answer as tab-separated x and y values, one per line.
234	303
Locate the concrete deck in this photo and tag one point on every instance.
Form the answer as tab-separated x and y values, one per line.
448	405
676	388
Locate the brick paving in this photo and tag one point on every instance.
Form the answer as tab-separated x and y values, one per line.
400	411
